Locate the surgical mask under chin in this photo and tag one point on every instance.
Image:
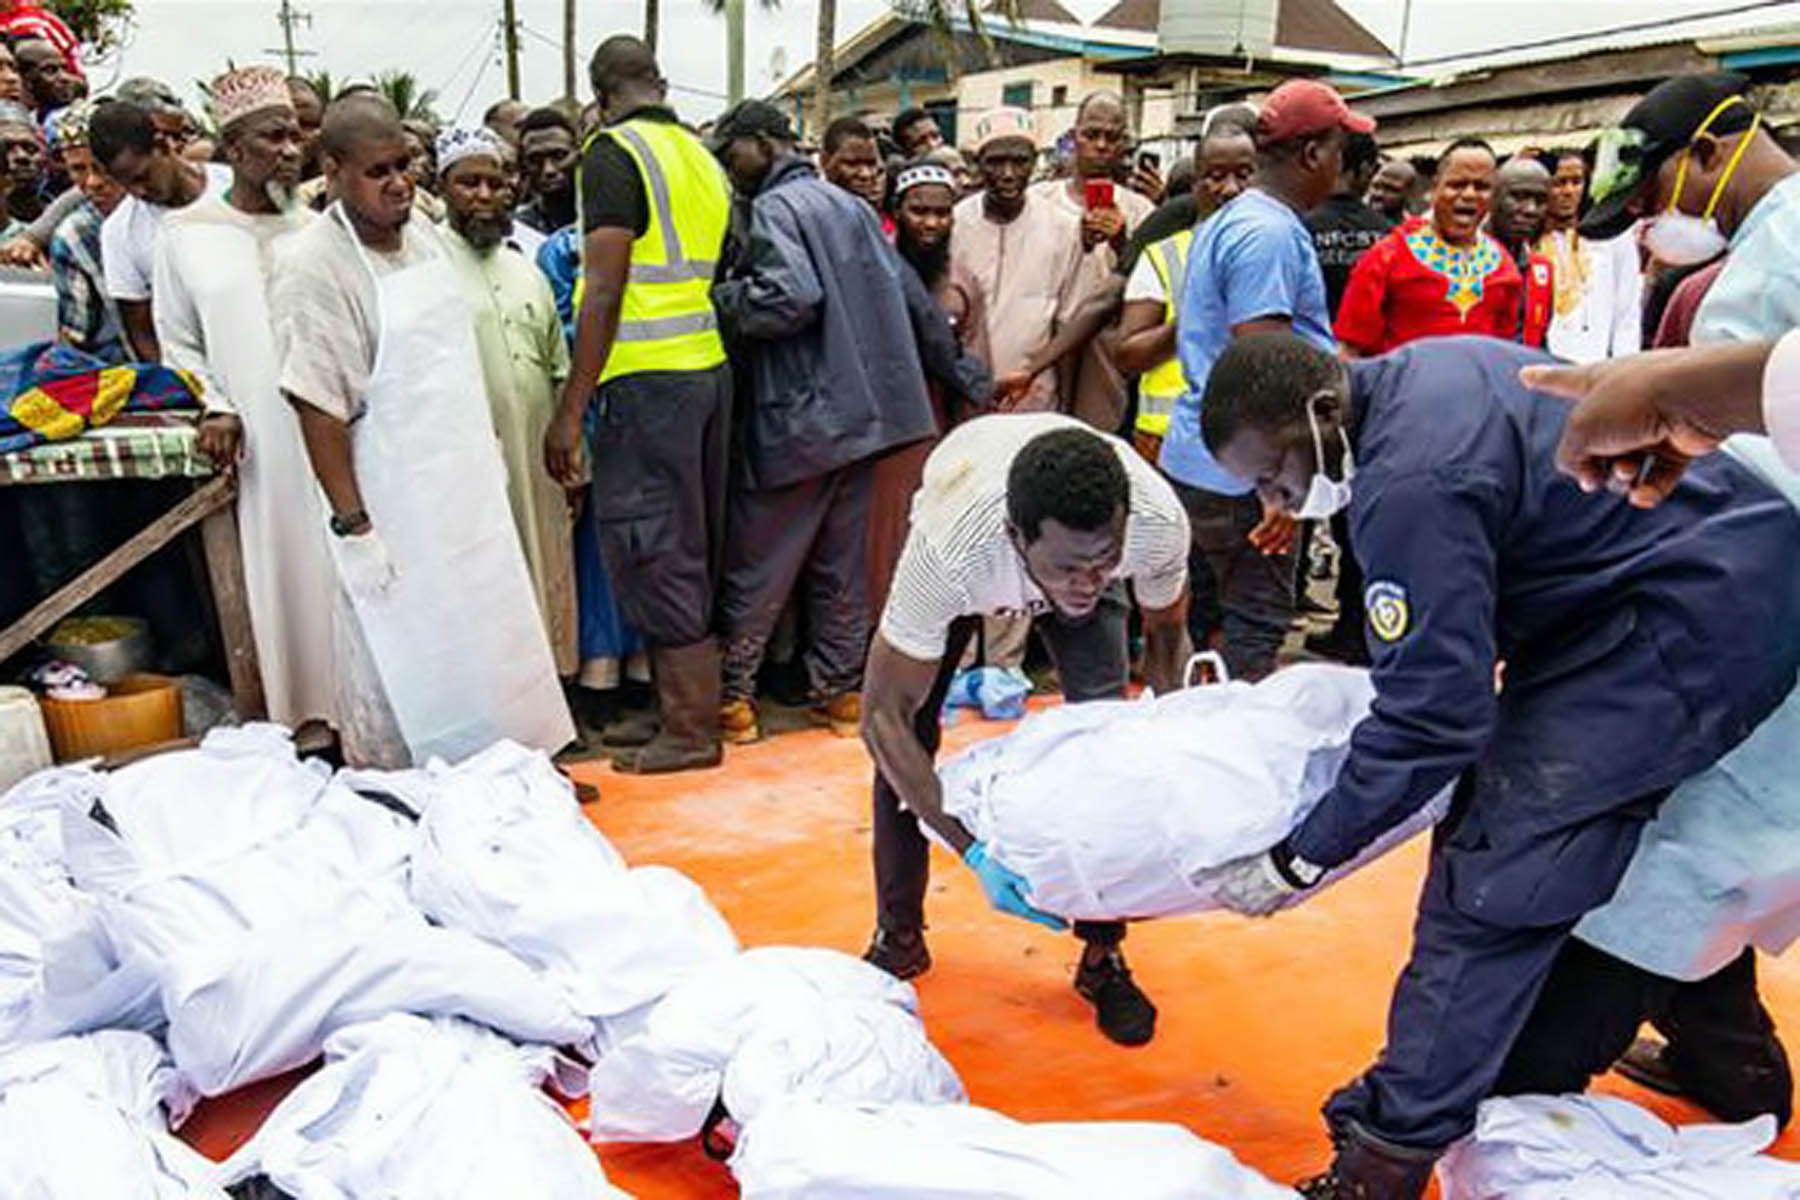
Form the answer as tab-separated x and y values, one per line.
1325	496
1682	239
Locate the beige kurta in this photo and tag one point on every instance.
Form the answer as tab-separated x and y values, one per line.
210	302
524	362
1029	269
1097	394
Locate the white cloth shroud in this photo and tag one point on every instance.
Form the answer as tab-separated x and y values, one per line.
1604	1148
273	900
801	1150
505	853
1118	809
423	1109
774	1023
60	972
89	1117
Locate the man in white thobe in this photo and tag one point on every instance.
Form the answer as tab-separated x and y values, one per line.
210	303
524	361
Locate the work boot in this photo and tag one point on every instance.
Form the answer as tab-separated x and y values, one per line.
738	723
1121	1009
687	691
1369	1168
901	953
1646	1063
842	713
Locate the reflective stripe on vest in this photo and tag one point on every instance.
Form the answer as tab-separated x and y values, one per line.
666	318
1163	384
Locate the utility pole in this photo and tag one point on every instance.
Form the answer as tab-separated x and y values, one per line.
568	49
289	16
509	30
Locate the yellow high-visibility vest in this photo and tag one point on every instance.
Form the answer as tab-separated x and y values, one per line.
666	318
1162	385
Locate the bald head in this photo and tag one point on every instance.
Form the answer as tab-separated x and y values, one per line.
1099	136
1521	200
356	122
625	75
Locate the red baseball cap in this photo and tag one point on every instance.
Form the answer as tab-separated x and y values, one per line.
1302	108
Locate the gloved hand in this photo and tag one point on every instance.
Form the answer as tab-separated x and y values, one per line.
1006	889
364	566
1252	885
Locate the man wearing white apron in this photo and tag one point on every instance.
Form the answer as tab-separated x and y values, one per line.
441	650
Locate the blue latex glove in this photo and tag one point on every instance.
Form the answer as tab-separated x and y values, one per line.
1006	889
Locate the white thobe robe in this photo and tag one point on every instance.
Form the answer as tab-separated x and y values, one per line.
210	302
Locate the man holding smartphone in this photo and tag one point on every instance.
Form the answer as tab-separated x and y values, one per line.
1094	389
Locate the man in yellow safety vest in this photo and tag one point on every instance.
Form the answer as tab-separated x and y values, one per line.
654	207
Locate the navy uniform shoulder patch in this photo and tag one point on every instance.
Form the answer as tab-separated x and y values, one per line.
1389	613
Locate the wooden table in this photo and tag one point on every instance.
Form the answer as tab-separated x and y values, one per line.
161	445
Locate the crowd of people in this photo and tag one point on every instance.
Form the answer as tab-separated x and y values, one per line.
563	426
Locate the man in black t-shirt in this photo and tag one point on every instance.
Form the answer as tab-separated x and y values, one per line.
1343	227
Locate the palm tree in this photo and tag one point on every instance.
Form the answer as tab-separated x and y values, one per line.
943	17
568	49
734	42
825	60
323	84
402	91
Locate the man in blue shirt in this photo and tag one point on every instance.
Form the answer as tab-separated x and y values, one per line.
1253	268
1628	670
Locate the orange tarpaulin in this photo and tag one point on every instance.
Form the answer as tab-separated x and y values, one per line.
1260	1020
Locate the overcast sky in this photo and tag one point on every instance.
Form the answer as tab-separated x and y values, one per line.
451	44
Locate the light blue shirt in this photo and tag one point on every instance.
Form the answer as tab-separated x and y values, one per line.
1757	295
1252	259
1719	867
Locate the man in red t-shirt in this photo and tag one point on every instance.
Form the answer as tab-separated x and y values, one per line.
27	20
1438	276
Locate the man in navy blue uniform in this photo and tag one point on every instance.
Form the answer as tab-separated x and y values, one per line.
1638	647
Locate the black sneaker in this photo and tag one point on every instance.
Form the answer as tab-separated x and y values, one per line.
1646	1063
902	955
1121	1009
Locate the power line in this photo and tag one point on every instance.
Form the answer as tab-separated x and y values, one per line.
289	16
473	84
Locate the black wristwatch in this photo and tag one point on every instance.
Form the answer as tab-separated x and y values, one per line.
348	523
1294	870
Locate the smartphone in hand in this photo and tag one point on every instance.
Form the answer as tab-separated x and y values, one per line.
1098	194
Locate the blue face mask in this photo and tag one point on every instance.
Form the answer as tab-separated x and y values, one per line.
1325	497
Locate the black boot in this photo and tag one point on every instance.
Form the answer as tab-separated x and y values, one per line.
1369	1168
1123	1012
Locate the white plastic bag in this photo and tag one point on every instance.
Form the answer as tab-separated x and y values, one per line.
505	853
424	1110
60	972
1121	809
89	1117
274	903
1604	1148
772	1024
800	1150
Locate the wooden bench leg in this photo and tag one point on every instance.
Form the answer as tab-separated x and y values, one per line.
225	565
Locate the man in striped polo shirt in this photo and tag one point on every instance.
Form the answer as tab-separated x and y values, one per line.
1031	514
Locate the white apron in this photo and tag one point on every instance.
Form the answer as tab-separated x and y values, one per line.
457	639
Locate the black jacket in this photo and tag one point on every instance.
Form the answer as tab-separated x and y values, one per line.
819	311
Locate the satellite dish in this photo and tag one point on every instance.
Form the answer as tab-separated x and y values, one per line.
778	63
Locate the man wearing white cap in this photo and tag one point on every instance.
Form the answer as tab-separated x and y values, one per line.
210	304
524	361
1025	250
